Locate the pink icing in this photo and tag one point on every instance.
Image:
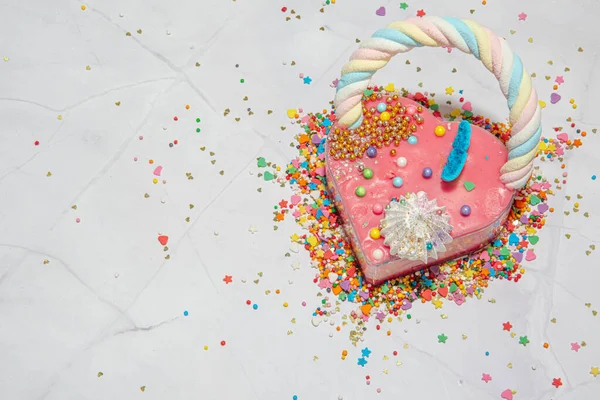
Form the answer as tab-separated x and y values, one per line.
490	200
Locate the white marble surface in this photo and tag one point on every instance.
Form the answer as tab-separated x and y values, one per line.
106	300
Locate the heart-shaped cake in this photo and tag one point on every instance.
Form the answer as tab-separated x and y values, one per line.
413	190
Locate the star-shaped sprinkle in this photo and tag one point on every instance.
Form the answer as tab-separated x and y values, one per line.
362	362
366	352
403	6
523	340
421	13
437	303
253	229
449	90
556	382
575	346
307	80
559	80
506	326
486	377
295	265
227	279
522	16
595	371
442	338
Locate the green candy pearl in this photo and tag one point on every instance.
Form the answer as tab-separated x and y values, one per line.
368	173
360	191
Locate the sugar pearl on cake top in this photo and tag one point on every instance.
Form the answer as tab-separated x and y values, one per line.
397	182
412	140
439	131
375	233
401	162
377	254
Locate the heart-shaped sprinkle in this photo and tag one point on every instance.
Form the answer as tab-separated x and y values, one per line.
554	98
380	11
163	240
507	395
469	186
530	255
533	239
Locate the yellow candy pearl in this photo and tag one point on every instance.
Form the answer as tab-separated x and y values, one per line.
385	116
375	233
439	131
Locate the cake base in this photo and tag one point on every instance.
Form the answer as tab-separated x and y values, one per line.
478	186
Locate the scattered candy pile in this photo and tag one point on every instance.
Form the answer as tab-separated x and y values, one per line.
339	274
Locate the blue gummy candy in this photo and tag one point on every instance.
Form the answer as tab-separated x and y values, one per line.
458	156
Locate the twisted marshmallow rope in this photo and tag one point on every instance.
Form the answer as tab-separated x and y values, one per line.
469	37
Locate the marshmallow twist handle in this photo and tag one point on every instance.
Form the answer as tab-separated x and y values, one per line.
469	37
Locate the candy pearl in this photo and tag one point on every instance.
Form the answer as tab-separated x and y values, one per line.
465	211
377	209
427	172
439	131
401	162
429	246
412	140
367	173
377	254
381	107
410	110
360	191
385	116
397	182
372	152
375	233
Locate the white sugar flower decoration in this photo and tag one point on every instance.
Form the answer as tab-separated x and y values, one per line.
416	228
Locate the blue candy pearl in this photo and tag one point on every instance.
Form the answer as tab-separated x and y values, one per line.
381	107
372	151
412	140
465	211
427	172
397	182
429	246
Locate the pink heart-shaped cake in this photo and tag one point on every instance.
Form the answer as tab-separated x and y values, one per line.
365	188
413	190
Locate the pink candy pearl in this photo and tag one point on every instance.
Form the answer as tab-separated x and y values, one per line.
377	209
410	110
